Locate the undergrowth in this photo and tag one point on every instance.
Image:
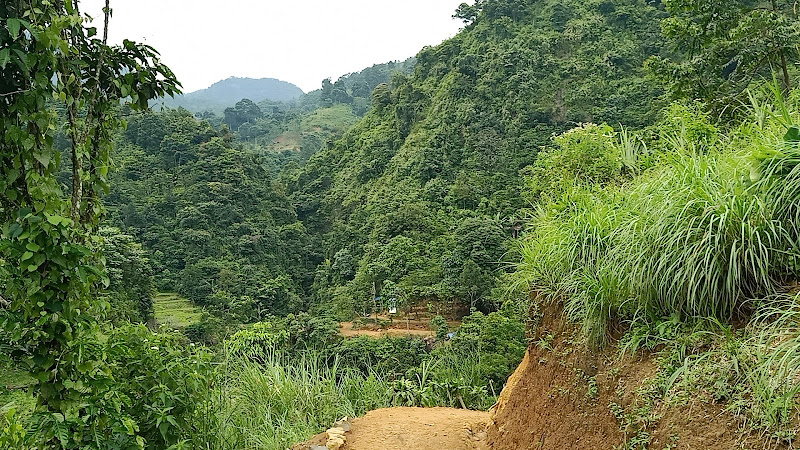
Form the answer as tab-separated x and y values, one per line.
278	402
711	224
683	237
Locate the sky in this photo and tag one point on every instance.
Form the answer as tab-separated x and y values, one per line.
300	41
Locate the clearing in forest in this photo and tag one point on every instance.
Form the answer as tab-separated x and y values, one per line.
175	311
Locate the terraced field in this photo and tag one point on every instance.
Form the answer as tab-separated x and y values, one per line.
175	311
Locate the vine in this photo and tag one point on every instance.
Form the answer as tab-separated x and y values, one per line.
51	61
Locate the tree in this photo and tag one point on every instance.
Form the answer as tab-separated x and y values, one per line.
129	273
381	97
344	266
468	13
243	112
339	93
325	96
49	243
721	48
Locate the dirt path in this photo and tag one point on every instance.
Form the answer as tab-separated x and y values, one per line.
414	428
346	330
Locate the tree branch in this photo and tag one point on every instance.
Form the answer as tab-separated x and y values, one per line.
14	92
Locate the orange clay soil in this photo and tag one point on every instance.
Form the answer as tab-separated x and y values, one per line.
413	429
560	397
346	330
550	403
399	327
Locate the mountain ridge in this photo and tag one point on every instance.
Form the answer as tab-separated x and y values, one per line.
227	92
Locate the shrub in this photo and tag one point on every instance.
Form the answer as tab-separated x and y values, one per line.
164	382
586	155
439	325
696	236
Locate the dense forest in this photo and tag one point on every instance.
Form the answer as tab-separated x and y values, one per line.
630	164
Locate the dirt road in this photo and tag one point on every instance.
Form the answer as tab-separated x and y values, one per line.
414	428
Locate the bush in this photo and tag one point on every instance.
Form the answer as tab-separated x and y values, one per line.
587	155
697	235
292	333
389	356
439	325
165	385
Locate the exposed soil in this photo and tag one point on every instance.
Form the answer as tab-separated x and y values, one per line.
562	396
397	327
543	405
413	428
346	330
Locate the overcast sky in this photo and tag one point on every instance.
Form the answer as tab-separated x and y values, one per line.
300	41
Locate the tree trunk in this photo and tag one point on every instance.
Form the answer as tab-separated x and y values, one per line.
784	66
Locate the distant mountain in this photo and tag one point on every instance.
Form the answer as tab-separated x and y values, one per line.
225	93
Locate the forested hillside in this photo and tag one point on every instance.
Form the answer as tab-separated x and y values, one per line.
218	227
227	92
602	193
425	190
209	205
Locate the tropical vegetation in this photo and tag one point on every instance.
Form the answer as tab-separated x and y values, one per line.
632	164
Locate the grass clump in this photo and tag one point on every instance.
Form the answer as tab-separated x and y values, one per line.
674	244
281	401
711	225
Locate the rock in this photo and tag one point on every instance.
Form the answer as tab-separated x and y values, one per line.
317	447
343	423
335	443
335	432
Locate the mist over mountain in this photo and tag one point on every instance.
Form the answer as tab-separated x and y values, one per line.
227	92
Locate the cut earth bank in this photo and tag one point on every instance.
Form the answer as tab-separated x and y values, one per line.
562	396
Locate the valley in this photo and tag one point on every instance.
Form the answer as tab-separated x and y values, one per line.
573	224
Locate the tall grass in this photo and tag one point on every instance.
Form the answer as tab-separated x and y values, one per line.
279	401
771	361
712	225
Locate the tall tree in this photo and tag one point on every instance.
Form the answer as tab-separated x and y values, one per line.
721	48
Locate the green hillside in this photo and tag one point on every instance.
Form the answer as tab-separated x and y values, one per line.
425	189
585	214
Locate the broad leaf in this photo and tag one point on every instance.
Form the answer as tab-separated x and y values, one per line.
13	27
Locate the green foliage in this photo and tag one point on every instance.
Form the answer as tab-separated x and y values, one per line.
439	325
49	244
130	278
290	334
392	356
12	432
723	48
213	220
696	236
164	383
441	150
281	401
244	111
497	340
587	155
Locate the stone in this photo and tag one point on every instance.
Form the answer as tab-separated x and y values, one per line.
335	443
335	432
344	424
